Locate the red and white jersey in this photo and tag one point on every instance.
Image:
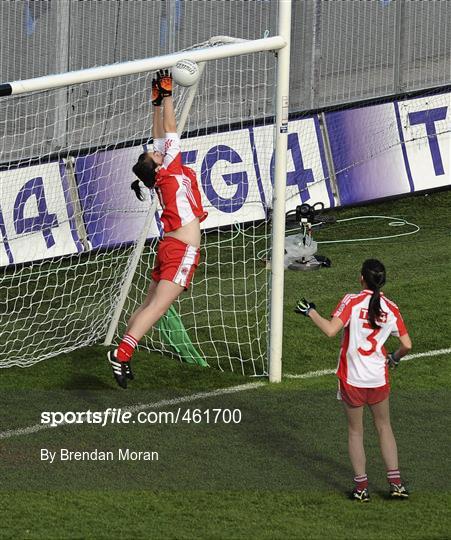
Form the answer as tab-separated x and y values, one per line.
362	360
176	186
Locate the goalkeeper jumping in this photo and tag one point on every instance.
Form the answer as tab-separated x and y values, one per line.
178	252
368	319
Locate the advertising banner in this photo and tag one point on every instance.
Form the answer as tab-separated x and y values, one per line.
425	130
112	213
376	151
229	182
392	148
366	153
35	216
234	172
307	172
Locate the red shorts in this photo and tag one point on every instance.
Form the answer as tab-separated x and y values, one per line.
175	261
356	397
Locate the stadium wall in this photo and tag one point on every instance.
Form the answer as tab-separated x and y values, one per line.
376	151
341	51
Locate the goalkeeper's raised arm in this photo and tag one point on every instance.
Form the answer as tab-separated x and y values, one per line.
178	252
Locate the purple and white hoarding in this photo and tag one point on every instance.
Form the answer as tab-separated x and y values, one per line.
36	216
112	213
376	151
392	148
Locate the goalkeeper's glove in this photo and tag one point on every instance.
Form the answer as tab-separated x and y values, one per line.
392	361
304	306
156	97
164	79
137	189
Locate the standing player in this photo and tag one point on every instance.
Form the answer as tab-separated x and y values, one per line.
178	252
368	318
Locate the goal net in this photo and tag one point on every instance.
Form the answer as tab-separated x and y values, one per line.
70	225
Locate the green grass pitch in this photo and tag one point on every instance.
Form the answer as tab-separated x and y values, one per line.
283	471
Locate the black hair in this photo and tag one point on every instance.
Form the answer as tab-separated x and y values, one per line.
144	169
373	272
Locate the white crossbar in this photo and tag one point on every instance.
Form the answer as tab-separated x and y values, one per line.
139	66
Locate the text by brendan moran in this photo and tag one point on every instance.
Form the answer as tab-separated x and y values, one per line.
121	454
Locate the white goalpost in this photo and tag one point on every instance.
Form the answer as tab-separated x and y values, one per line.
77	247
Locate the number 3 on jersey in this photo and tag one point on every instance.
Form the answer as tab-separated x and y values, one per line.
371	338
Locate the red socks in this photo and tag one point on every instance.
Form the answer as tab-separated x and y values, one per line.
361	482
393	476
126	348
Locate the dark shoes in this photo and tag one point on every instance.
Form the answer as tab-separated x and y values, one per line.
122	371
361	495
398	491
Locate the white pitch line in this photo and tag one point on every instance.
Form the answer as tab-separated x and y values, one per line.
427	353
141	407
312	374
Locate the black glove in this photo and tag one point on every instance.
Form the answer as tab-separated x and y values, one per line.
137	189
164	79
392	361
156	97
304	306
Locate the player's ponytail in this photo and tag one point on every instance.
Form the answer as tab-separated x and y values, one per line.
144	169
373	272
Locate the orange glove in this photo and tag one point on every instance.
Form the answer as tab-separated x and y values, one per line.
164	83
